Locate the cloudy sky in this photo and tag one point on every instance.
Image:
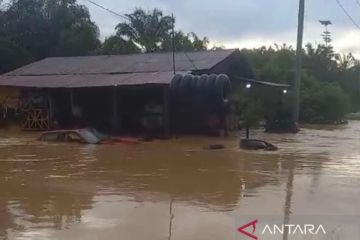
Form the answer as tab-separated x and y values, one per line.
245	23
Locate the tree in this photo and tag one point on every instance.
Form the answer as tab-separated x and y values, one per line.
279	67
117	45
184	42
345	61
146	29
74	31
327	103
218	47
252	114
330	82
12	55
34	29
199	44
320	62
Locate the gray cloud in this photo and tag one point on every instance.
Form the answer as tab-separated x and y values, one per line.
227	22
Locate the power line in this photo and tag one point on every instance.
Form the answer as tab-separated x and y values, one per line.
190	60
347	14
358	2
108	10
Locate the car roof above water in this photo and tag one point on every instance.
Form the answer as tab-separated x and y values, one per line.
86	134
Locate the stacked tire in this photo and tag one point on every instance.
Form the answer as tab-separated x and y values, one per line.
194	98
209	89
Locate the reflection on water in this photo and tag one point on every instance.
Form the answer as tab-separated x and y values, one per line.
70	191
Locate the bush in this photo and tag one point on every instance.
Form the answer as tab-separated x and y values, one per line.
326	103
252	113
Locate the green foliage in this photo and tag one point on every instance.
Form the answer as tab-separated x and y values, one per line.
146	29
330	82
320	62
34	29
117	45
12	55
280	67
251	109
184	42
152	32
326	103
350	82
252	113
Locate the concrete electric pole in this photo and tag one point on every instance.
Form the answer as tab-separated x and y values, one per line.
298	63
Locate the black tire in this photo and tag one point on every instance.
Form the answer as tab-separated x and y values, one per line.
195	97
185	85
175	83
201	93
223	87
201	84
211	87
194	84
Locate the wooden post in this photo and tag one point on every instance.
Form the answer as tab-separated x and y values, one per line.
72	105
173	42
51	110
115	117
166	110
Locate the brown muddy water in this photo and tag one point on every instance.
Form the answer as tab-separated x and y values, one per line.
72	191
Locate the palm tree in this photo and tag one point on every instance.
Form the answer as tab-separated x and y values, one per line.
345	61
184	42
146	29
117	45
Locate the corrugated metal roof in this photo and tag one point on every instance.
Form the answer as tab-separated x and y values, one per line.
134	63
88	80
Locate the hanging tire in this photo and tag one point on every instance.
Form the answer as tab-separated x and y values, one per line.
210	85
211	88
223	87
175	83
201	92
185	85
201	83
194	83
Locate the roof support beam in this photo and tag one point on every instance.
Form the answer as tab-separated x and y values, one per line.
115	112
165	91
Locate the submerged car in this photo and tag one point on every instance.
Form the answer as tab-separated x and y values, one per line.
86	135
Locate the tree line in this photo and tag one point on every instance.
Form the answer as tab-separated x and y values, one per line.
330	83
34	29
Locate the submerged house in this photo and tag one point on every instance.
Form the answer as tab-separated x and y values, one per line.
126	93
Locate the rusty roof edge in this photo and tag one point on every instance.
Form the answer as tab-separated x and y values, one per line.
86	74
134	54
106	73
17	72
81	81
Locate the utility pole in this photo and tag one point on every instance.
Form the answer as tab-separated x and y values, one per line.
173	42
298	63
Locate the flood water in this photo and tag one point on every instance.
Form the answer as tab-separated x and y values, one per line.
117	191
